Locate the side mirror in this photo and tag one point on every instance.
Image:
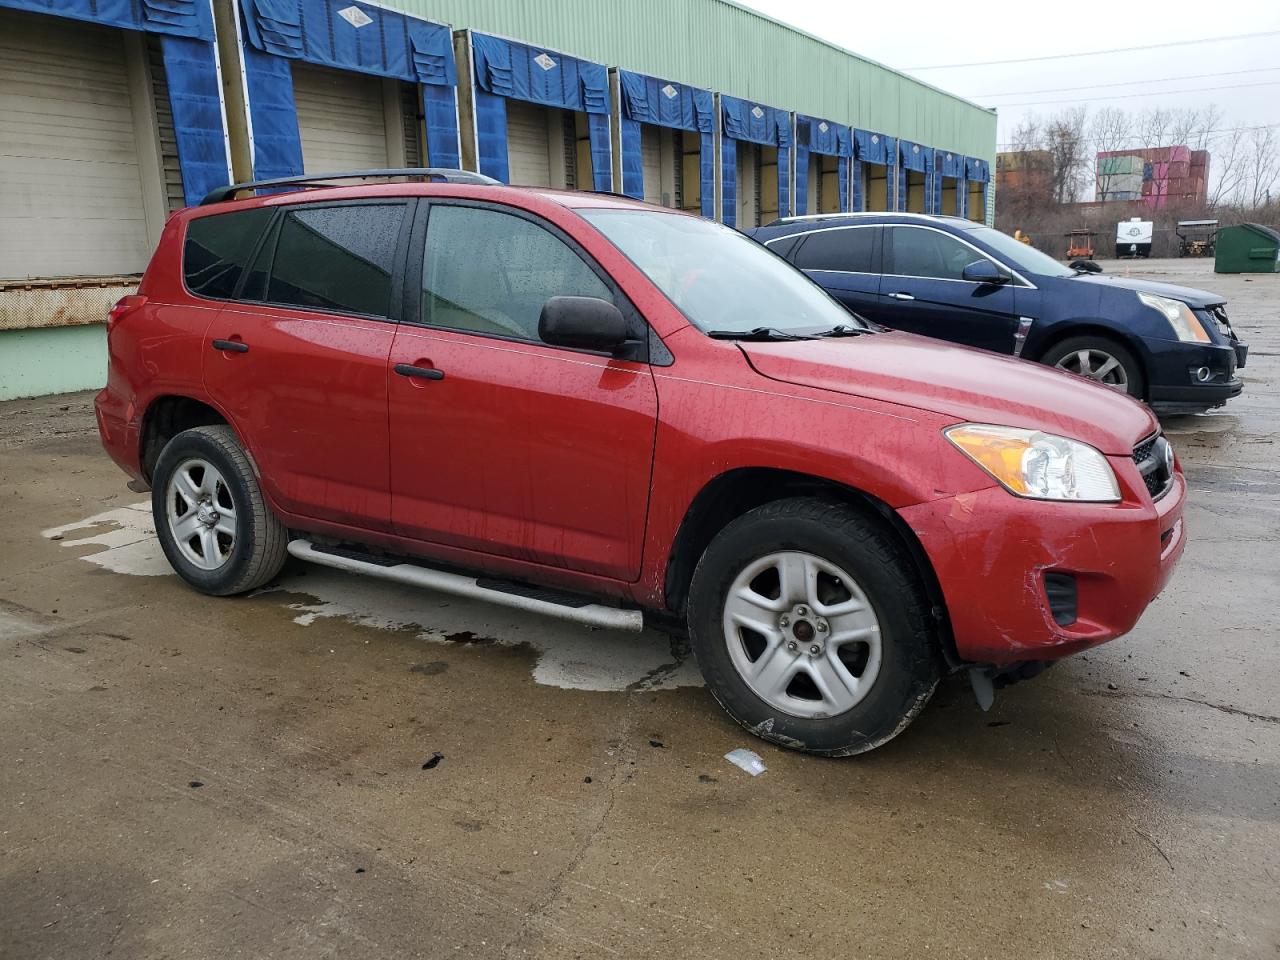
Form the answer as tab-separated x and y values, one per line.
582	323
984	271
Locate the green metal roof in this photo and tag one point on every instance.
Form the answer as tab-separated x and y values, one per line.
729	49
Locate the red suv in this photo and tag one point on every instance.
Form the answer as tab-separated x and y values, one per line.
578	404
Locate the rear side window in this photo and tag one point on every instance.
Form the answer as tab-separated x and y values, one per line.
848	249
336	258
217	249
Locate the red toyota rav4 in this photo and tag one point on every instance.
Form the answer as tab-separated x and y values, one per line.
582	405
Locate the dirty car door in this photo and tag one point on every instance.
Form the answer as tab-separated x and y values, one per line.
502	444
299	362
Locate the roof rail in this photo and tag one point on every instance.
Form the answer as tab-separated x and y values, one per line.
446	174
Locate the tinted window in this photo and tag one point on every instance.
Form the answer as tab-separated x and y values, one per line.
916	252
784	245
843	248
491	272
217	248
337	258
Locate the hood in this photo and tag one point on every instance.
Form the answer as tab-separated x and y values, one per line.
1199	299
959	382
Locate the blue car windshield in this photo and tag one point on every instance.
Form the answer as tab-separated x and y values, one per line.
1023	257
719	279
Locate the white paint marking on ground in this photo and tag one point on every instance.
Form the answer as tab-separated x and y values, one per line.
569	656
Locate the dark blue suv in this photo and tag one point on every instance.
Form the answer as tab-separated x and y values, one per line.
957	280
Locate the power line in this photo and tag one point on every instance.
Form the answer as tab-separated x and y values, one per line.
1098	53
1126	83
1149	93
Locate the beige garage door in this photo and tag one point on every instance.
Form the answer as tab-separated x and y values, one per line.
651	162
528	144
341	119
71	193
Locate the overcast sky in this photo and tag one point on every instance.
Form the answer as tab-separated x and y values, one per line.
894	35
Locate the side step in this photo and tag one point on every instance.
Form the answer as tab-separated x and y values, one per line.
507	595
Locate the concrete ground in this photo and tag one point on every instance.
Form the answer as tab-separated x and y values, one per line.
190	777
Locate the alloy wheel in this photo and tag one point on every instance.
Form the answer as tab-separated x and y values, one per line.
802	634
1096	365
201	514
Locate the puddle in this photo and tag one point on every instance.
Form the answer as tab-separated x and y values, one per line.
569	656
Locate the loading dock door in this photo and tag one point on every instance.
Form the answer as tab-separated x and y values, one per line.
529	143
813	200
651	157
748	185
72	202
342	121
877	186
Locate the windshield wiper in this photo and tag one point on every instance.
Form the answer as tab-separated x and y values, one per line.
756	333
843	330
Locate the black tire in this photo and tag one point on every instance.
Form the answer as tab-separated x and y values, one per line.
862	545
1136	378
259	547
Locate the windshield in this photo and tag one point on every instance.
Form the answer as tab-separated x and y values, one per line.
1023	256
718	278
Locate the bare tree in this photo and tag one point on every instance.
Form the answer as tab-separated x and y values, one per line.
1152	127
1262	166
1064	139
1230	155
1110	129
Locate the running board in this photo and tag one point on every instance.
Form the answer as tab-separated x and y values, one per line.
506	594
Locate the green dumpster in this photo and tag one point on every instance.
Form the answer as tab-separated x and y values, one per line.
1247	248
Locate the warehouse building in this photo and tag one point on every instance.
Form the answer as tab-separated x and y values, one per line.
113	113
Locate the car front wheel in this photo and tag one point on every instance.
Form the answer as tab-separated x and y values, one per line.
214	526
1101	360
812	628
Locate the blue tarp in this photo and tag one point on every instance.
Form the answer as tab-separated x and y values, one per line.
386	44
361	38
814	135
871	147
520	72
186	30
662	103
917	158
754	123
195	99
176	18
945	165
509	70
975	169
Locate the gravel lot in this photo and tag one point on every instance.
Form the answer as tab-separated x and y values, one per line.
190	777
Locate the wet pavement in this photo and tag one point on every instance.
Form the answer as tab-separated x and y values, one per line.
191	777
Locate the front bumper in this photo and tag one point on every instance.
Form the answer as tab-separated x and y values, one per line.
1194	376
991	551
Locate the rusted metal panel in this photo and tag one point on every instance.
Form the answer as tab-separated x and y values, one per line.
65	302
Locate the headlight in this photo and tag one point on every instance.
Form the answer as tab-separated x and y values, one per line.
1185	324
1037	465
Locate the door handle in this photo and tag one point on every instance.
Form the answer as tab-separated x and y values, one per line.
902	296
233	346
426	373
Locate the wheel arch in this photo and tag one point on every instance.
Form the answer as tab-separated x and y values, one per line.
731	494
168	415
1091	328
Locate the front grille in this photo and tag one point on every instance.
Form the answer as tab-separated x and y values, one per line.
1154	459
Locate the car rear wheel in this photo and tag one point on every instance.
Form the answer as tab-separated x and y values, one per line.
214	526
812	628
1101	360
